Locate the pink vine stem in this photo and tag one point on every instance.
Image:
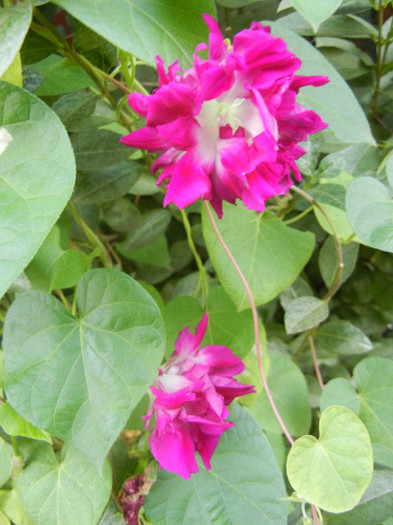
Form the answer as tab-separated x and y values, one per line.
256	326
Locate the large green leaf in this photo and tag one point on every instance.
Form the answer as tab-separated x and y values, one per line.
370	209
316	12
37	172
260	243
333	471
63	491
147	28
80	378
374	381
244	484
335	101
292	400
341	337
14	24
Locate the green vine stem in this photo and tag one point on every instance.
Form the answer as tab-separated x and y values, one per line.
255	319
376	93
91	237
202	282
315	361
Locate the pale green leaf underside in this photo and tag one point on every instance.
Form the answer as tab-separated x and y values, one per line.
14	24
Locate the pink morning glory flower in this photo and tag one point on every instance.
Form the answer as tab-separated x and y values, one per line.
192	392
229	127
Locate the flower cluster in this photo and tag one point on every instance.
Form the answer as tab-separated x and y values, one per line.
191	394
229	127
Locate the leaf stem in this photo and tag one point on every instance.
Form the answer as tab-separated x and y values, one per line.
315	361
203	283
376	93
256	323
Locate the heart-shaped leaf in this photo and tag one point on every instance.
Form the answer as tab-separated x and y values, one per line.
370	211
259	242
333	471
79	378
316	12
37	173
244	484
68	491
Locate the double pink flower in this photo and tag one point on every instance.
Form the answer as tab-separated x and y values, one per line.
228	127
191	393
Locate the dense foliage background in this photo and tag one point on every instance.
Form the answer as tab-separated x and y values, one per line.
97	278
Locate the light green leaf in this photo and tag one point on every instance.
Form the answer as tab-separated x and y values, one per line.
334	102
95	367
226	326
374	506
35	186
259	243
6	457
54	267
14	24
292	401
316	12
12	506
370	212
333	471
341	337
65	491
15	425
244	484
304	313
374	382
340	391
147	28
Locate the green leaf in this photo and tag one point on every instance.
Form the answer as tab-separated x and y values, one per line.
12	506
54	267
151	225
95	367
292	401
334	102
244	484
112	515
73	108
180	312
226	326
147	28
357	160
328	262
333	471
374	381
107	184
14	24
340	391
155	254
60	75
304	313
6	457
259	243
316	12
63	491
374	506
341	337
15	425
370	210
98	149
34	187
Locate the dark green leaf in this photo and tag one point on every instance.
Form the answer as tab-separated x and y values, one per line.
152	225
72	108
98	149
